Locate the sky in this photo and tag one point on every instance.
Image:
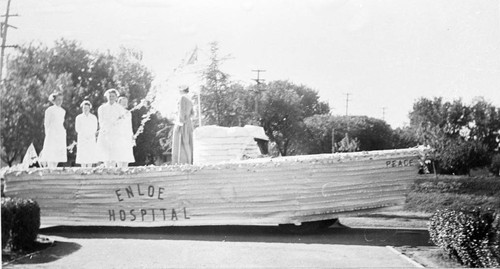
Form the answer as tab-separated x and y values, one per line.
383	53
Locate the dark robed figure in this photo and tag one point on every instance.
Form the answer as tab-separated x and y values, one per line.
182	140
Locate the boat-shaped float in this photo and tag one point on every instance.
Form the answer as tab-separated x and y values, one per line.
263	191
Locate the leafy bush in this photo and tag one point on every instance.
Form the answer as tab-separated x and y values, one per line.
470	237
6	220
21	221
459	156
495	165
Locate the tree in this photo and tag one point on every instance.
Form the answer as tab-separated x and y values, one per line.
224	102
369	133
24	100
130	74
36	71
404	137
134	80
485	123
463	136
460	156
282	110
149	147
318	133
214	94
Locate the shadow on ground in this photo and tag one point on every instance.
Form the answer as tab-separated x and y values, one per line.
337	234
55	251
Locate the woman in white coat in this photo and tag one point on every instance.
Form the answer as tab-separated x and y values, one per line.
54	144
126	139
86	128
109	131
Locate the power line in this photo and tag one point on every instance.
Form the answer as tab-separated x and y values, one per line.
3	32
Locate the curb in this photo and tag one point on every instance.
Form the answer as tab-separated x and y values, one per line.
416	264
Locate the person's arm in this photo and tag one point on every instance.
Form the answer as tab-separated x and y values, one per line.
94	123
64	123
48	120
180	112
101	119
187	109
78	124
129	127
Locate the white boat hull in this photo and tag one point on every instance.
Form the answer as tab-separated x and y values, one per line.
253	192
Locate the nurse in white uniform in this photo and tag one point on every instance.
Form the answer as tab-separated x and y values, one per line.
126	139
109	131
54	144
86	128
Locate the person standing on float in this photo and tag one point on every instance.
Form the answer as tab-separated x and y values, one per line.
54	144
126	139
109	131
182	139
86	128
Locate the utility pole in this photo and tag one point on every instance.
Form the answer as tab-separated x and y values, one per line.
347	103
347	114
259	81
4	27
334	147
383	113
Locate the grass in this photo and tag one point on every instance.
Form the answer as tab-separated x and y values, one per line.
454	192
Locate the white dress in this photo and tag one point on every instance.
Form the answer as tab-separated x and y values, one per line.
54	144
125	139
109	131
86	148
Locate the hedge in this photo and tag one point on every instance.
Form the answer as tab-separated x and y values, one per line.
470	237
6	222
20	222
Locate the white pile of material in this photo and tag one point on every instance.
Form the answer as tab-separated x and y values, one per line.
215	144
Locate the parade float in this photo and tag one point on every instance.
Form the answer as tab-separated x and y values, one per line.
230	183
296	192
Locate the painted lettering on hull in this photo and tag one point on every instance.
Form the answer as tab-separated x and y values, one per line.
136	194
150	215
401	163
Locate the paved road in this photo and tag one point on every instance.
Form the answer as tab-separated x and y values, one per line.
221	247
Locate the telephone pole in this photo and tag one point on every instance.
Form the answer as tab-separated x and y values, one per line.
347	114
259	81
3	31
383	113
347	103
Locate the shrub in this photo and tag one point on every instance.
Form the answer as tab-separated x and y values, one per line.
25	224
22	222
460	156
7	206
470	237
495	165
